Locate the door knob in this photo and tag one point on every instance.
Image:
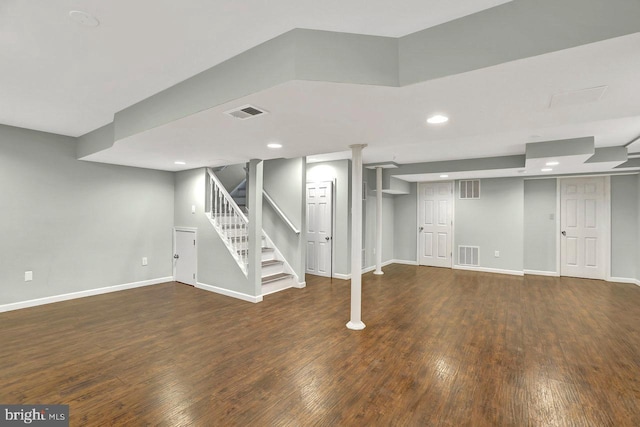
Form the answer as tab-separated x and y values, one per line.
421	228
176	256
564	233
327	238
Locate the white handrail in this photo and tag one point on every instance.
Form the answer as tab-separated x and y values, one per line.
280	212
226	195
230	222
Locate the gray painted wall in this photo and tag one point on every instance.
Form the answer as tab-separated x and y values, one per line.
216	266
231	176
405	234
494	223
638	239
285	182
340	171
624	226
77	225
540	237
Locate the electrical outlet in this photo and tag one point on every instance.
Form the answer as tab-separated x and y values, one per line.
496	254
193	209
144	260
28	276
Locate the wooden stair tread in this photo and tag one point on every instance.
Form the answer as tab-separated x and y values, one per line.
274	277
271	262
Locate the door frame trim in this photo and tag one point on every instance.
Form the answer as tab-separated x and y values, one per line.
606	250
332	274
173	264
453	215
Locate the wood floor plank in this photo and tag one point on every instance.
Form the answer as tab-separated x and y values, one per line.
441	348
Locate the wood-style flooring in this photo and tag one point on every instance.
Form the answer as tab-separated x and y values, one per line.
441	347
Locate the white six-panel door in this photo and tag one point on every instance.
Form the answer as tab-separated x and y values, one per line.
319	228
435	210
185	257
582	225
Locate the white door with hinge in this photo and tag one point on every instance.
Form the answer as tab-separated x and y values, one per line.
583	227
185	256
319	228
435	215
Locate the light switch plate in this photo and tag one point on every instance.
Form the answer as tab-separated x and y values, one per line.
28	276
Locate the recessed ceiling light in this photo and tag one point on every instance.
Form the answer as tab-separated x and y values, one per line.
444	176
546	170
437	119
552	163
180	162
83	18
274	145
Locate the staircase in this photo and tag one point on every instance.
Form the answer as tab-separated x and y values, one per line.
230	221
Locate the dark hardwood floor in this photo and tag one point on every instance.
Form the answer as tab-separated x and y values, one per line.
441	347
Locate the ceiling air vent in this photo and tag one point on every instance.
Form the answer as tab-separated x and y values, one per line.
246	112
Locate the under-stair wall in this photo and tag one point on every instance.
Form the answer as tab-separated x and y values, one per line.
216	267
285	182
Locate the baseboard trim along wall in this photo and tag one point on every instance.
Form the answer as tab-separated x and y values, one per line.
542	273
371	268
489	270
229	293
82	294
624	280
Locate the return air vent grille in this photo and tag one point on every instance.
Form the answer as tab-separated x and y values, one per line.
246	112
469	255
470	189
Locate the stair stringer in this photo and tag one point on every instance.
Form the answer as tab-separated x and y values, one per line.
292	282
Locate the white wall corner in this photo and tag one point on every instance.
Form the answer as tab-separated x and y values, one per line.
82	294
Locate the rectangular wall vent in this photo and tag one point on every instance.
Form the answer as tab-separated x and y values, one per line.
470	189
246	112
469	255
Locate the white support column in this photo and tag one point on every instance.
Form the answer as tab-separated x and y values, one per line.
356	237
378	221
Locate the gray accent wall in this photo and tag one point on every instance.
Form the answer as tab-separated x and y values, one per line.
625	220
77	225
338	171
405	228
494	222
540	238
638	239
285	182
216	266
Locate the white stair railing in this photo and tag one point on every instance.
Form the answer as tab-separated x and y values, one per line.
229	221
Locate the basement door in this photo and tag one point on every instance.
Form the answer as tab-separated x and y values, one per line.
319	228
583	228
435	212
185	257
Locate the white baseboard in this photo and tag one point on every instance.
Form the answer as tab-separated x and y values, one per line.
370	268
229	293
301	285
489	270
404	261
82	294
542	273
624	280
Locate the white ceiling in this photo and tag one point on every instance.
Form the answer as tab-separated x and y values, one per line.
494	111
58	76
